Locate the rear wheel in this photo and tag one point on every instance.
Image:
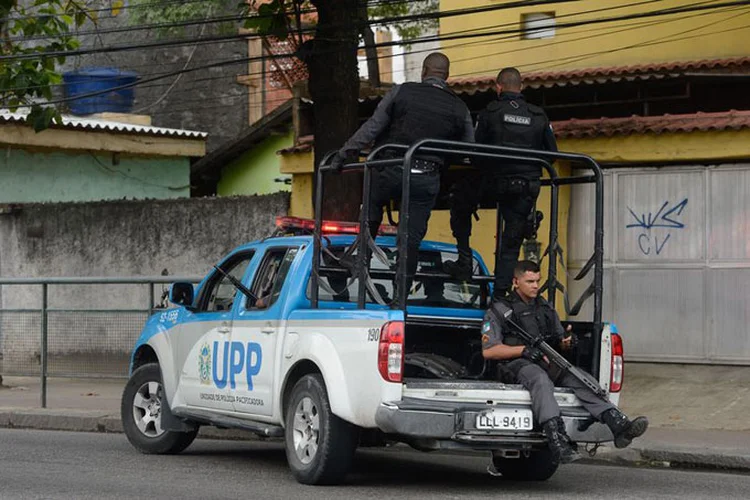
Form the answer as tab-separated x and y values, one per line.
539	465
140	411
319	445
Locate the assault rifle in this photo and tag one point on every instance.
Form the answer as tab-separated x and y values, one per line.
552	355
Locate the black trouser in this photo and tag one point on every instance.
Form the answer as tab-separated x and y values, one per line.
515	198
386	185
539	382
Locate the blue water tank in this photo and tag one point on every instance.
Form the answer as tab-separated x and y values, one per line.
88	80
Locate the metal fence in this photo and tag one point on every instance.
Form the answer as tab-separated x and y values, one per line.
75	327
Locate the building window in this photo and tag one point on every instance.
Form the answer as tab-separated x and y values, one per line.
537	25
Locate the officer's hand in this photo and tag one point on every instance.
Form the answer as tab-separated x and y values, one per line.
568	341
337	162
532	354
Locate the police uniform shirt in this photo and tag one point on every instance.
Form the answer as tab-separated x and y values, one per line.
380	120
492	331
537	317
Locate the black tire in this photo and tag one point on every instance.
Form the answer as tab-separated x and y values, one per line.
151	439
540	465
335	439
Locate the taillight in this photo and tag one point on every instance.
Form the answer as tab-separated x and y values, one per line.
618	362
391	351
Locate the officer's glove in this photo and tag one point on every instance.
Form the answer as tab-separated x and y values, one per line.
337	162
532	354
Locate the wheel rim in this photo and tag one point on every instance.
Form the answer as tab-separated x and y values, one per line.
147	409
306	430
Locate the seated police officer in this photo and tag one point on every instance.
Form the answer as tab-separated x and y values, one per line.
512	122
529	367
409	113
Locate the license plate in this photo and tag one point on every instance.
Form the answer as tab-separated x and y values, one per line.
504	420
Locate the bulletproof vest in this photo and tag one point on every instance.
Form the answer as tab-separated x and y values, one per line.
537	318
516	123
424	110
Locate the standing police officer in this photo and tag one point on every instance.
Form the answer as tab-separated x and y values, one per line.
407	114
510	121
528	366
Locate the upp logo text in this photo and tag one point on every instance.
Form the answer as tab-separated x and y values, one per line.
231	359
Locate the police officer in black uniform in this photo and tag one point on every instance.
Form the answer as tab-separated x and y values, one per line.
408	113
509	121
527	365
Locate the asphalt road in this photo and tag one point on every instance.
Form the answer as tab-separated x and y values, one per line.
68	465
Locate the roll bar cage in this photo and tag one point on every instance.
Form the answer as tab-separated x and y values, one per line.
467	153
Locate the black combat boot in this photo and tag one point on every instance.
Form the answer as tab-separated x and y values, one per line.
460	269
623	429
559	442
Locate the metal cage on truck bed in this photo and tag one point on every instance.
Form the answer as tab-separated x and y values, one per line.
466	154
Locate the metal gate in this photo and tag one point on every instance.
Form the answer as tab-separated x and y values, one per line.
676	260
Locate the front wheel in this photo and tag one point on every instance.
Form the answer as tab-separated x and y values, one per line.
537	466
319	445
140	411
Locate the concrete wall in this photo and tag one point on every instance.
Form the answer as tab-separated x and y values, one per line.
124	238
30	177
209	99
256	170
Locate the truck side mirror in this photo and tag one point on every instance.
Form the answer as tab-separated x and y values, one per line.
181	293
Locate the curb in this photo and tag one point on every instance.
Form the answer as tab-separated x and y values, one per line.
650	455
94	421
671	456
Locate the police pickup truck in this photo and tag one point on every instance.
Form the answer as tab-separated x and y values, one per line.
244	349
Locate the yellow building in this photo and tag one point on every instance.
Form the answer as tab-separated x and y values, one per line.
658	94
562	36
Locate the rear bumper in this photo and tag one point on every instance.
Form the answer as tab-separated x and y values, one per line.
435	425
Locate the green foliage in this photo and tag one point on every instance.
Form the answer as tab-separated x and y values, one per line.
276	17
271	19
411	29
35	28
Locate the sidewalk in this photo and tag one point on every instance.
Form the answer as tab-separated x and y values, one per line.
698	413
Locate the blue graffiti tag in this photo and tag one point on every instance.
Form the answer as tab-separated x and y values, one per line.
660	220
664	217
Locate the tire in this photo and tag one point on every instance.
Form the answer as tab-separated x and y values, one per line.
540	465
140	411
319	445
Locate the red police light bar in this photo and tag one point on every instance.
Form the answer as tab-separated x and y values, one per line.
328	227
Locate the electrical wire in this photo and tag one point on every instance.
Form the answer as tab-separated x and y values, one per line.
481	42
215	38
282	57
177	79
659	41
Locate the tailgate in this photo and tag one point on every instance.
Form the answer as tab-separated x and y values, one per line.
480	414
483	392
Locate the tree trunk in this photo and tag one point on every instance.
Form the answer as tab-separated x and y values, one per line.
334	88
371	52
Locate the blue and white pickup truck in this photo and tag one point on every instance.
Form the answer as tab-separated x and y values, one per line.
330	378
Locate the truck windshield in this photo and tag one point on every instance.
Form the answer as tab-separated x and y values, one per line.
430	292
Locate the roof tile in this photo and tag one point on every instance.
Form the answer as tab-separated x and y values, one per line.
603	74
607	127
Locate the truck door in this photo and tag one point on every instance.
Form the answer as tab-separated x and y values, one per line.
257	327
204	347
